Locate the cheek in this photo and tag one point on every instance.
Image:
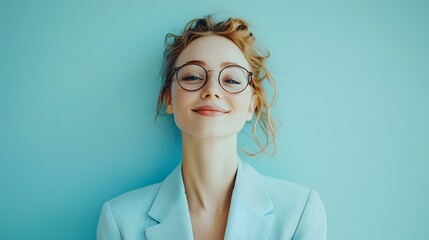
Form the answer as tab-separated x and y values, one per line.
181	100
242	103
241	115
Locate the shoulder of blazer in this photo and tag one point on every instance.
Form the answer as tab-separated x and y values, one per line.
130	206
297	209
286	191
137	196
280	192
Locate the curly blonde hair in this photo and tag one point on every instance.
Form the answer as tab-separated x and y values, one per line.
236	30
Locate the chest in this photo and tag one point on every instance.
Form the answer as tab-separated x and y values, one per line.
209	226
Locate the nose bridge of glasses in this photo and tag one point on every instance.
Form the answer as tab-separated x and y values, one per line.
212	79
214	75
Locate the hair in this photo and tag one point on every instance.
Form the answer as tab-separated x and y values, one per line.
236	30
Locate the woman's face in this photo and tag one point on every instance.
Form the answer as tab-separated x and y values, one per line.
210	112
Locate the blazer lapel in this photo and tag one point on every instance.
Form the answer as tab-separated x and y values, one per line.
250	215
170	209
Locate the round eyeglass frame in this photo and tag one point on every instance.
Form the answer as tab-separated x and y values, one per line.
249	75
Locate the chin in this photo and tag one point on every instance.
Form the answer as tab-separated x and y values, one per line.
209	129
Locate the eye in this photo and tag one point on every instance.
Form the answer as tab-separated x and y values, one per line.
232	81
191	77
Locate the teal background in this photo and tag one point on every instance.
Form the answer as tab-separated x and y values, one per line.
78	88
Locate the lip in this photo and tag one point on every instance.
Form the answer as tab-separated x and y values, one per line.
210	110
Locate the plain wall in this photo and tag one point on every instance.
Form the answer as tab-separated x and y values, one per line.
79	83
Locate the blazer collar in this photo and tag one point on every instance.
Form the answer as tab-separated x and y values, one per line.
250	185
250	215
170	210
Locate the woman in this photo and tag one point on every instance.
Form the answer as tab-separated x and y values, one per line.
213	77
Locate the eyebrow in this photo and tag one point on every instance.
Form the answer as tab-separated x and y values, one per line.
203	63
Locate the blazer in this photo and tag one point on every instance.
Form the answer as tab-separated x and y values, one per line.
261	208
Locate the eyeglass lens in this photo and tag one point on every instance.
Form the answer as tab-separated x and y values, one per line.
232	79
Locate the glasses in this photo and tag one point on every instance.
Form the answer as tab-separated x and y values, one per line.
232	79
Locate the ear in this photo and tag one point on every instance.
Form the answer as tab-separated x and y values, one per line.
168	101
252	107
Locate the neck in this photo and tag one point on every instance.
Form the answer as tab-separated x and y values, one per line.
209	168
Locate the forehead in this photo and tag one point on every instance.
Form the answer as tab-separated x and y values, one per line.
214	51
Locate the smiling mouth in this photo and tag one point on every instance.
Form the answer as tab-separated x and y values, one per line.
210	111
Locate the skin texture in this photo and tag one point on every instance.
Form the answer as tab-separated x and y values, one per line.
209	138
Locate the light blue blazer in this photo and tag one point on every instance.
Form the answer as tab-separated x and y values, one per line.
261	208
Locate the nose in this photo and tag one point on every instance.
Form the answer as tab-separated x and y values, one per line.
212	87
